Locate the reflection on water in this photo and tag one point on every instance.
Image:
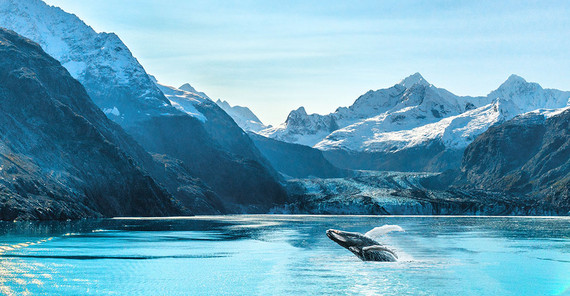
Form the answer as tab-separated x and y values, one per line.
284	255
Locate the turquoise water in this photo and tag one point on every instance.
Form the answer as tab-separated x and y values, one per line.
284	255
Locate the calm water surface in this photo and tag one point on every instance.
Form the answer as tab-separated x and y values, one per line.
284	255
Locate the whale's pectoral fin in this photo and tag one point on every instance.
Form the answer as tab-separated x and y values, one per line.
378	253
379	248
376	248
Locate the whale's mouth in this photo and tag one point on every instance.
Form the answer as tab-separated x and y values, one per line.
336	236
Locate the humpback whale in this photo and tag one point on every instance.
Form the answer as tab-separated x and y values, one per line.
364	247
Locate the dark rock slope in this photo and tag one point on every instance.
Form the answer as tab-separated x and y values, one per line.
59	154
432	157
294	160
219	153
529	155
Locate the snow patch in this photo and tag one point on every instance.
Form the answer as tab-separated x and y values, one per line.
415	113
112	111
75	68
243	116
90	57
184	100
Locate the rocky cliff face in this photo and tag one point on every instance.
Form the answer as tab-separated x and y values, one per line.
243	183
59	154
528	155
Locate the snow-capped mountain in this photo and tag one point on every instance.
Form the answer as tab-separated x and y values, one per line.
410	103
113	78
185	98
414	114
243	116
302	128
191	138
515	96
189	88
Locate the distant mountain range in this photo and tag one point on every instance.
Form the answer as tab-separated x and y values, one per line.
412	120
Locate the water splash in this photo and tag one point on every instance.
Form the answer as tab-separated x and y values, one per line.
377	232
383	230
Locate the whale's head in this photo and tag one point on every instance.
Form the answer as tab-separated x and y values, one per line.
362	246
350	239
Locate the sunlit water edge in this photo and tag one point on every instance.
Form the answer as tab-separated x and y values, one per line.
329	215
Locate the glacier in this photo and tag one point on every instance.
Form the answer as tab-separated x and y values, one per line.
396	193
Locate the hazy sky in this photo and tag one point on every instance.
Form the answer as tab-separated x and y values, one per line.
274	56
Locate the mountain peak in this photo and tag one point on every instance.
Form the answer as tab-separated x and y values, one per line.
301	110
243	116
513	82
295	115
115	79
223	104
515	79
412	80
187	87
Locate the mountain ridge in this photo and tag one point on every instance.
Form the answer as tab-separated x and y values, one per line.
60	156
528	155
112	76
197	129
410	115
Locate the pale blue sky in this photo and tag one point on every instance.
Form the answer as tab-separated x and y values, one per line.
274	56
